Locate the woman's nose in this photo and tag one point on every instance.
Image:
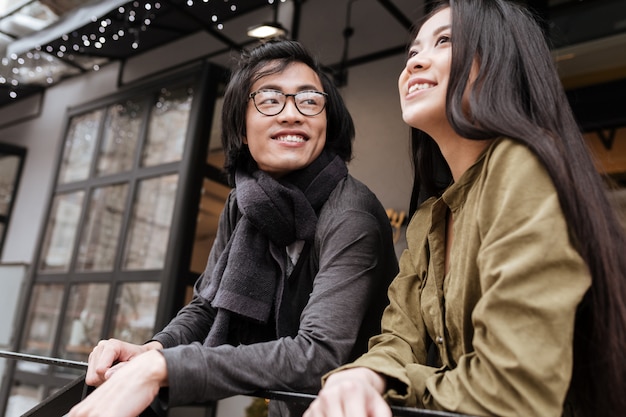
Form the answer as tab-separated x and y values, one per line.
418	62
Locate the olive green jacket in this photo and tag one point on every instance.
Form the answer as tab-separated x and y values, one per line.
502	319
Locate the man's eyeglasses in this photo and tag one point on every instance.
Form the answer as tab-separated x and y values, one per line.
272	102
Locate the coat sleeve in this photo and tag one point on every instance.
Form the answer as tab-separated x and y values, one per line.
403	339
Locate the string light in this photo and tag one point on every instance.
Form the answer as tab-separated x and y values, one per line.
135	18
44	65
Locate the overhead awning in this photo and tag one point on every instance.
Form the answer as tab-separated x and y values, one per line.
73	20
100	31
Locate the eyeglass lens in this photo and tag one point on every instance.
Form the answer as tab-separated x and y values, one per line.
272	102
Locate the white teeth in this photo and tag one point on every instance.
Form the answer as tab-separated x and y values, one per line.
290	138
421	86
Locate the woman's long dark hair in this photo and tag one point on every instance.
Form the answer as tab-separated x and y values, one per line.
518	94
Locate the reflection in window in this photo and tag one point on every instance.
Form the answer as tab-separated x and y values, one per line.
135	311
168	127
98	243
61	232
618	198
82	327
41	323
212	199
150	223
11	160
121	135
215	141
80	143
9	167
23	397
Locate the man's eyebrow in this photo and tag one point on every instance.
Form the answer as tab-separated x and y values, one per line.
304	87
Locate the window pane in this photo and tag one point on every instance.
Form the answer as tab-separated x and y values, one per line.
618	197
41	323
167	127
9	165
212	199
98	243
121	135
84	318
23	397
61	232
149	228
135	311
215	155
79	146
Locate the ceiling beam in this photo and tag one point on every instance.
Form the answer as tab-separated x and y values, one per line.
397	14
213	32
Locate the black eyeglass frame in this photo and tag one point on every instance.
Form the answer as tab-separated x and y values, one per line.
287	95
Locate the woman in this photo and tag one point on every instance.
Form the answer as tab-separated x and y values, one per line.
514	274
296	280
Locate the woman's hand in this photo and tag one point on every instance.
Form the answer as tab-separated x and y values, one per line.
354	392
110	355
128	391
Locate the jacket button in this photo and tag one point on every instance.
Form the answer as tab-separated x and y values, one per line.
439	340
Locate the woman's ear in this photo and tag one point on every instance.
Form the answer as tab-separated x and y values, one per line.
244	140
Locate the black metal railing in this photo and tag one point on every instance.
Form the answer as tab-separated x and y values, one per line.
59	403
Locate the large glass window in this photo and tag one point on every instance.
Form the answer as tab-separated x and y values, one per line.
104	256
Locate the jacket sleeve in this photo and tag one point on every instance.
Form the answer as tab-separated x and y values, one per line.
403	339
348	244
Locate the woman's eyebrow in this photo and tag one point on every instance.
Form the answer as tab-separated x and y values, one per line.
436	32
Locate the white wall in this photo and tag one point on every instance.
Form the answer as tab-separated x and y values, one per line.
12	277
381	145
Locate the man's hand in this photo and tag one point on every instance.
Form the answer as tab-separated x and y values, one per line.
128	391
354	392
110	355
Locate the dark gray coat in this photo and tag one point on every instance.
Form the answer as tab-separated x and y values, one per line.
328	311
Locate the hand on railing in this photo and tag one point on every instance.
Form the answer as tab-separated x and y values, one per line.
65	398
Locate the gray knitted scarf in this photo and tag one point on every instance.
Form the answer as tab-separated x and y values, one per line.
248	275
